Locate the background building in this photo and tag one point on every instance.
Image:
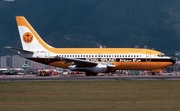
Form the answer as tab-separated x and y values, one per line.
15	61
5	61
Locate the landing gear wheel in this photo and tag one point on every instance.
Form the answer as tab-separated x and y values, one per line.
94	74
91	74
88	74
153	73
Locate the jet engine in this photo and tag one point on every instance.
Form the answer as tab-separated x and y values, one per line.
96	69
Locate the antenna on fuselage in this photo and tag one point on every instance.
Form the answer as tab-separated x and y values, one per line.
102	46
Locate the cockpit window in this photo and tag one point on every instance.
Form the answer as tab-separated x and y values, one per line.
161	55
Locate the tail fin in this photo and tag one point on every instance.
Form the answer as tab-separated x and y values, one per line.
30	40
25	65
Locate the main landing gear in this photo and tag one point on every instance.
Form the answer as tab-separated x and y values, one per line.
153	73
91	74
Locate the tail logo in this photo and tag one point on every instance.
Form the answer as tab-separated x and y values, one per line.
27	37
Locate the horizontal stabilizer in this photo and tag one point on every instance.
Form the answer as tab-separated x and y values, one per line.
19	50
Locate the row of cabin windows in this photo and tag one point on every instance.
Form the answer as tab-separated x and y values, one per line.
103	56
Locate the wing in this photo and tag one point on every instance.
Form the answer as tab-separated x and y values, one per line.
79	62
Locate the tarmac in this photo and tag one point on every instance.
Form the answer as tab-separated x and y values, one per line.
82	78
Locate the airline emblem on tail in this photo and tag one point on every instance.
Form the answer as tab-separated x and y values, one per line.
27	37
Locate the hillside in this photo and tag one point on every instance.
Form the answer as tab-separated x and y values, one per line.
87	23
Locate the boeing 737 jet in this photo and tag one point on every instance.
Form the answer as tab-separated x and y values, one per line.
90	60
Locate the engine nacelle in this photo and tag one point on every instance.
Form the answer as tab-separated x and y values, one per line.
96	69
100	68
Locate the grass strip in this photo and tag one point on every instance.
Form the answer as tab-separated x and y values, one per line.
90	96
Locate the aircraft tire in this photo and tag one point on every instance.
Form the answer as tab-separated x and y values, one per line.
88	74
94	74
91	74
153	73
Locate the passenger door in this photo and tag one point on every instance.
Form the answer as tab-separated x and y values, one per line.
47	55
148	57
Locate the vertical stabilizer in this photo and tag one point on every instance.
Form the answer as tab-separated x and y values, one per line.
25	65
30	40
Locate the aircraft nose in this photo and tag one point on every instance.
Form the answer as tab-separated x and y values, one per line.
173	61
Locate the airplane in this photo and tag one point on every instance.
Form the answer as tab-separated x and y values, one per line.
14	71
25	65
89	60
